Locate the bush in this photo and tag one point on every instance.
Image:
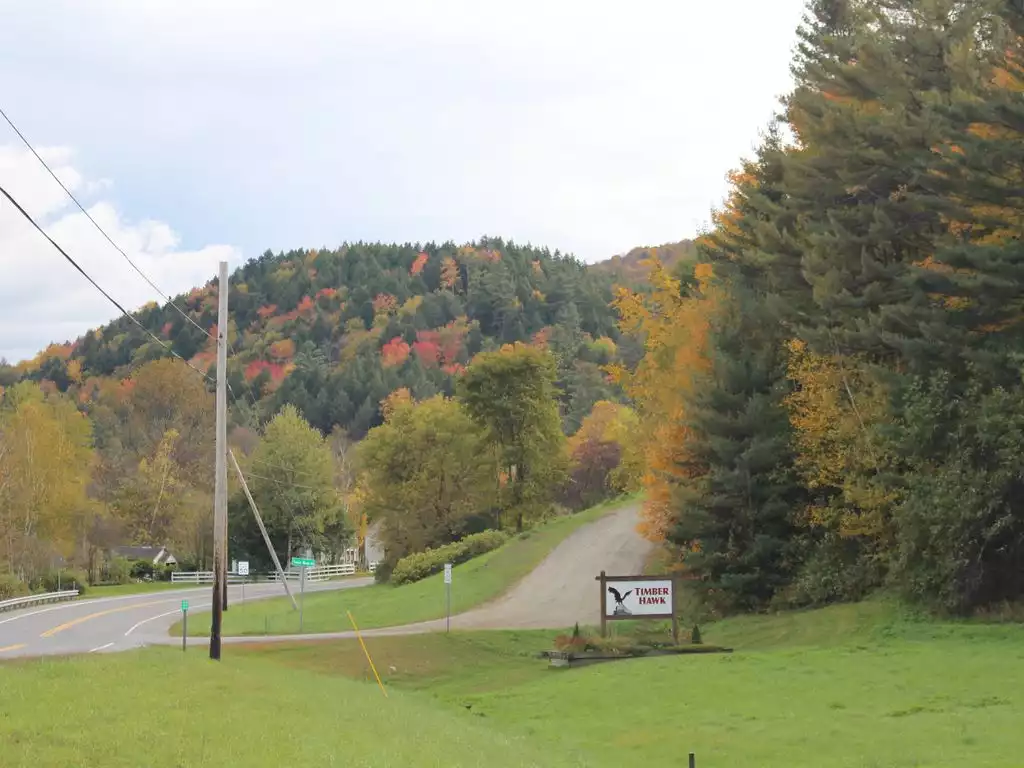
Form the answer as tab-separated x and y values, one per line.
11	586
68	578
422	564
117	571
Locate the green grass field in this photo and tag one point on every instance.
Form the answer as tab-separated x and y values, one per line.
473	583
863	685
163	707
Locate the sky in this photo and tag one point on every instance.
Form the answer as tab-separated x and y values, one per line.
196	131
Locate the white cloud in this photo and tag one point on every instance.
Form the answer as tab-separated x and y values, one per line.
43	298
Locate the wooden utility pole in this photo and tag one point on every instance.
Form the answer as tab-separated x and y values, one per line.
263	528
220	492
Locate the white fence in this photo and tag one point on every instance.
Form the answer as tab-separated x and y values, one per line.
205	577
48	597
323	573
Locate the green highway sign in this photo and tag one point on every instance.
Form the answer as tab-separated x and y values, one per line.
184	605
303	562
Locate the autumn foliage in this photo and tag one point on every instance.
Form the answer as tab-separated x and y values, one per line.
675	331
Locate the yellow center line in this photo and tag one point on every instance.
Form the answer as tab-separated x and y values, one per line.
12	647
91	616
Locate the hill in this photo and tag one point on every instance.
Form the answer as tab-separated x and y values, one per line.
335	331
629	270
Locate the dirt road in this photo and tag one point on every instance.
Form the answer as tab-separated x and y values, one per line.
558	593
562	589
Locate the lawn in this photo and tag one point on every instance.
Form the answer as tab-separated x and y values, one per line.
473	583
865	685
162	707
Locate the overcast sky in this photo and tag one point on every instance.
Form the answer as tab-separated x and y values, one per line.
198	130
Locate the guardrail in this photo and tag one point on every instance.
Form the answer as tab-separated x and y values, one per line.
48	597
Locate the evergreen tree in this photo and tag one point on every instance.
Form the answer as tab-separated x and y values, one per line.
736	507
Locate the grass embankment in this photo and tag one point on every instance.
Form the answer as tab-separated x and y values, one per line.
858	685
182	710
473	583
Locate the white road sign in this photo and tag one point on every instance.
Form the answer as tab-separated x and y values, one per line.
447	573
243	567
640	597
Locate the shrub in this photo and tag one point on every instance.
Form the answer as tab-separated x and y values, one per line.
68	578
11	586
422	564
118	571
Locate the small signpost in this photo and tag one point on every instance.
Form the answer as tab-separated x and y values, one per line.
184	623
302	563
243	570
448	596
638	597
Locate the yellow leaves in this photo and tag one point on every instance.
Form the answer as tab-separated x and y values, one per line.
832	408
75	371
675	330
400	398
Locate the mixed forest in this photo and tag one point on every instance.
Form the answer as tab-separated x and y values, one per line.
821	396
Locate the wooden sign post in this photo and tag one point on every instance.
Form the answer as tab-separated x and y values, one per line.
630	598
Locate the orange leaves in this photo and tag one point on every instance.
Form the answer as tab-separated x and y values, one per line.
306	306
419	263
675	329
398	399
384	304
542	338
450	274
282	350
266	311
395	352
326	293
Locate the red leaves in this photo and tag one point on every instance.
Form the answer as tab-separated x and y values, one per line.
441	345
428	352
253	369
266	311
419	264
395	352
326	293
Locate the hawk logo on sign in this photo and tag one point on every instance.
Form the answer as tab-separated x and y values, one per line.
620	606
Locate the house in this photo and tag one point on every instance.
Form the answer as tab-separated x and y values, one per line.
154	555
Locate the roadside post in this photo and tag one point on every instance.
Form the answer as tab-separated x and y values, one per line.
448	596
184	624
243	571
302	563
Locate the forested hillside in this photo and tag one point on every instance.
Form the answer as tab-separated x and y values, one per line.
334	332
107	440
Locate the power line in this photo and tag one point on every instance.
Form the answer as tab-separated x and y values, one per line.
96	285
100	229
282	482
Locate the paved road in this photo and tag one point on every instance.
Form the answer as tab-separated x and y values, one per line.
558	593
108	624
